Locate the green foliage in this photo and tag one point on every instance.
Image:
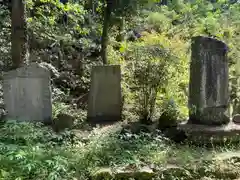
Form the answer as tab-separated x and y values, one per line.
159	22
28	151
154	71
126	8
79	115
73	47
148	67
31	151
177	23
24	133
171	109
61	108
154	68
50	12
5	45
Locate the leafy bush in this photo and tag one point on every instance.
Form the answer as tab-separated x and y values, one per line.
159	22
170	114
79	115
148	77
61	108
29	151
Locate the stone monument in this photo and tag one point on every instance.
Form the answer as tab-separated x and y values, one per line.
208	85
209	119
104	102
27	94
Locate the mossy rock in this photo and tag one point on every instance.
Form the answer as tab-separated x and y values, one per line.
144	173
103	174
171	171
167	120
63	121
124	175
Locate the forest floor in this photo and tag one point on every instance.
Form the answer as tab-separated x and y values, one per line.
151	156
109	152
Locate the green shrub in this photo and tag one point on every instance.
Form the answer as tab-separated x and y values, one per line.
29	151
159	21
149	76
79	115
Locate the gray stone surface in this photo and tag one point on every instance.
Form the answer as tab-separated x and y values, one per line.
27	94
104	102
230	128
208	86
205	134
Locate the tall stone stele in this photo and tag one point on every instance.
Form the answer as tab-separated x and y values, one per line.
105	102
208	86
27	94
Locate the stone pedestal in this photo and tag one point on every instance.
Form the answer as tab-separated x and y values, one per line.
104	103
208	85
211	135
27	94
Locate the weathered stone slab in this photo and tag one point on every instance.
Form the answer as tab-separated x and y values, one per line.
104	103
212	135
208	86
27	94
230	128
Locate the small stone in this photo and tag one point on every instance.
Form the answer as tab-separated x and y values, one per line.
63	121
236	119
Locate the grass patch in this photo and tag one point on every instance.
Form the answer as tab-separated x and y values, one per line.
30	151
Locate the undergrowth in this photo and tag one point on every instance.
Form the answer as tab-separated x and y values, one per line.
31	151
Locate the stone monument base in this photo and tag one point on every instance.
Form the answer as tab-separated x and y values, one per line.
204	134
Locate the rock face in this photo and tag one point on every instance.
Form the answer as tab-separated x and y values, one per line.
208	86
27	94
105	102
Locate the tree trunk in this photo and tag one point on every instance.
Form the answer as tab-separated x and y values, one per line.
106	25
121	32
92	6
19	34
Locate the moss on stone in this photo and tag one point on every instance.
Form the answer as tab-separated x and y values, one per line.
103	174
143	173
